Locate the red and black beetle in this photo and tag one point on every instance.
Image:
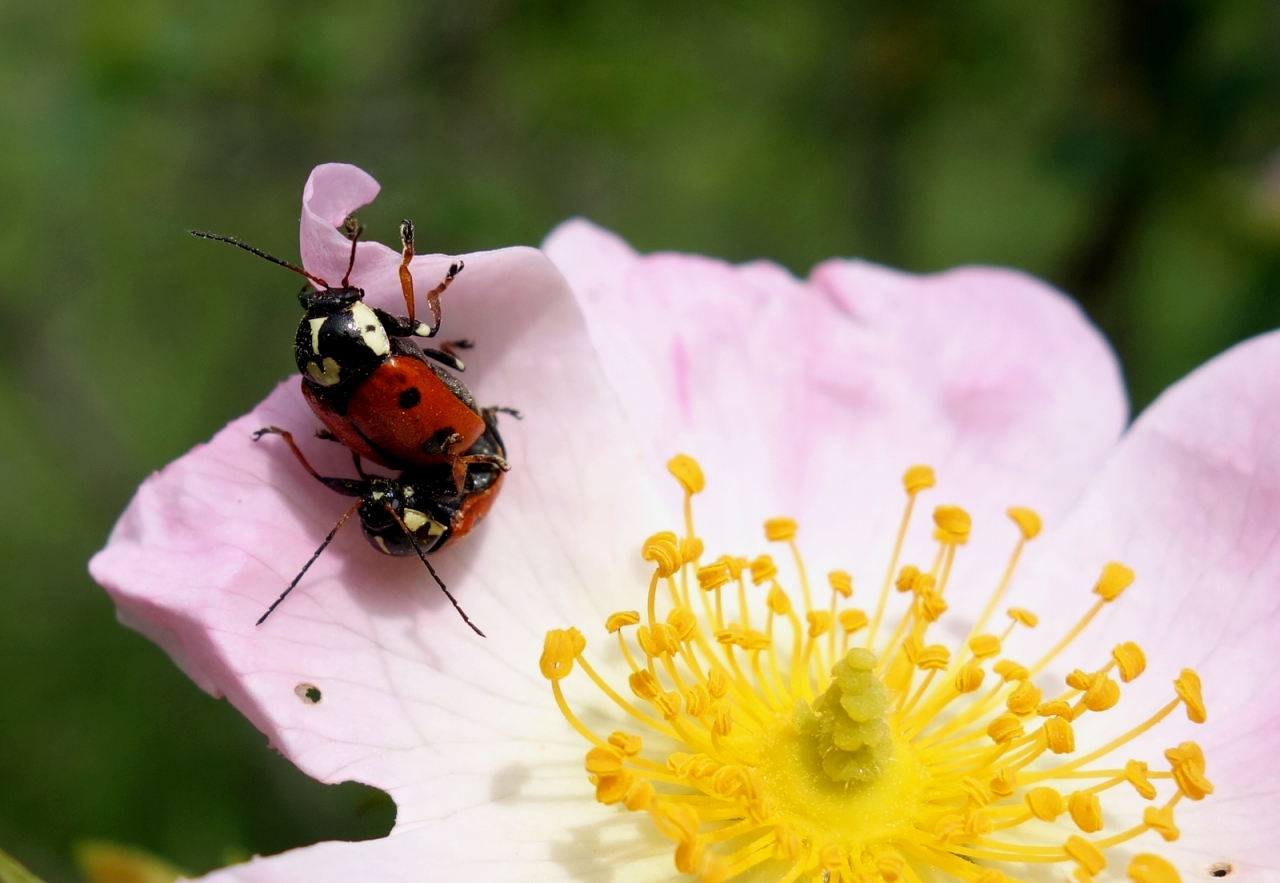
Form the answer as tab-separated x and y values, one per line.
378	392
420	511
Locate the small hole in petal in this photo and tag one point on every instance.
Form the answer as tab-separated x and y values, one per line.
308	693
1221	869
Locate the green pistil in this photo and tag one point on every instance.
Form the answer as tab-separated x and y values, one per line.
847	722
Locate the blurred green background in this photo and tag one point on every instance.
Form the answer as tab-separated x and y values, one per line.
1124	149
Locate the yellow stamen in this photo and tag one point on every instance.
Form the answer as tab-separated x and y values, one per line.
802	759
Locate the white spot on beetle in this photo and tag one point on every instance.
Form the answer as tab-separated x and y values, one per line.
330	374
413	519
316	325
371	330
382	544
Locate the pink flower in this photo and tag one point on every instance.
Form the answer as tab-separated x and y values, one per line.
806	399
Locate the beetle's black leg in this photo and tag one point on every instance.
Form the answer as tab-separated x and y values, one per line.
433	298
344	486
423	555
451	346
406	277
500	409
444	357
307	566
353	233
326	435
355	458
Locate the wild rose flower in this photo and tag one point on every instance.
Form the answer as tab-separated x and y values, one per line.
641	626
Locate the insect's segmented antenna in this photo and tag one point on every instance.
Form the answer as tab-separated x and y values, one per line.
315	280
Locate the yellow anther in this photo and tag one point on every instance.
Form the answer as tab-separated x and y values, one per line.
1160	820
715	868
763	570
644	684
697	700
653	642
691	549
953	525
819	622
612	789
1023	617
1028	522
1085	811
604	761
1086	854
778	601
628	744
755	640
1024	699
1188	688
621	620
717	684
969	677
779	530
558	651
907	577
852	621
679	822
731	635
1129	659
931	605
977	823
687	471
1059	736
663	550
1187	761
1005	728
1010	671
841	583
722	719
713	576
1102	694
1005	782
1135	772
736	565
1079	680
639	794
949	828
977	792
984	646
935	657
1148	868
683	621
890	866
1114	580
1045	803
918	478
668	704
1055	708
787	843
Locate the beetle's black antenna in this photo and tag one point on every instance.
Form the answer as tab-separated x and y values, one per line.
316	280
307	566
354	226
423	555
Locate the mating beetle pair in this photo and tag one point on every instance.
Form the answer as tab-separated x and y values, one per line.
394	403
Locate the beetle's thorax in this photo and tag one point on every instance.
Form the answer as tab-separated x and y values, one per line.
339	337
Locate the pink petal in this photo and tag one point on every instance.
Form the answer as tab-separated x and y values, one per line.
412	701
332	192
1191	501
810	399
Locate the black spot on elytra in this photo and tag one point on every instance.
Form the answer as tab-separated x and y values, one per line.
410	398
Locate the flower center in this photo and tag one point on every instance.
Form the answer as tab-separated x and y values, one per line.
802	744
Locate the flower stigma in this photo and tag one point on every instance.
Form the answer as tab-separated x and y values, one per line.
793	741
